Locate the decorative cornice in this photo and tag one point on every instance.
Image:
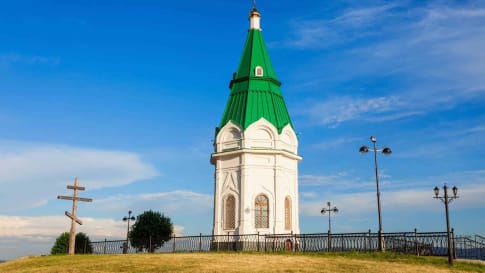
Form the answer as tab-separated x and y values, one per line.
266	151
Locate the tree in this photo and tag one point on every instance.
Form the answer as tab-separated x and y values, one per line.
61	245
150	231
83	244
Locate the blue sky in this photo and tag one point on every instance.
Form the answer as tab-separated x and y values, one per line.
125	95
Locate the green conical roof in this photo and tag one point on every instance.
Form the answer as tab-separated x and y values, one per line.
255	96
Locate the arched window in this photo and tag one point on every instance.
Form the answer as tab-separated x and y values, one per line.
261	216
230	212
287	213
258	71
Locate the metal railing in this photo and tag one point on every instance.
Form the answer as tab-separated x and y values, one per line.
470	247
418	243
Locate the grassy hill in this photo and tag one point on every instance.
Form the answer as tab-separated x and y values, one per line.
238	262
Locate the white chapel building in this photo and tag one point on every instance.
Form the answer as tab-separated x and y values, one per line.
255	150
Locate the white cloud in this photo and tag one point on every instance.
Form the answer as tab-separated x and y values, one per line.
434	51
358	203
35	173
323	33
45	228
21	235
362	17
319	180
443	139
476	129
14	58
308	194
341	181
336	143
169	203
397	195
341	109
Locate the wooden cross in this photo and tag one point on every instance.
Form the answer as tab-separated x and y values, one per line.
74	198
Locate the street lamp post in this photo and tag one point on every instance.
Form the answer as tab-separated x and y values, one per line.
387	151
127	219
329	210
446	199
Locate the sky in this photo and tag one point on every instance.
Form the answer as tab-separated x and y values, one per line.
126	96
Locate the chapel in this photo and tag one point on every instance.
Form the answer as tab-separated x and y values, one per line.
255	149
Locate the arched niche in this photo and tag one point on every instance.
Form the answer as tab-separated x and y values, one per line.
229	137
231	134
261	134
288	140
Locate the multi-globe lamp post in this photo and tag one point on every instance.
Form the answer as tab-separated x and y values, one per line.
127	219
446	199
329	210
387	151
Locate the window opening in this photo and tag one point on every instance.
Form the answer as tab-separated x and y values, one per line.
261	212
258	71
287	213
230	212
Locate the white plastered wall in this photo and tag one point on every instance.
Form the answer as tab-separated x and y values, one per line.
256	161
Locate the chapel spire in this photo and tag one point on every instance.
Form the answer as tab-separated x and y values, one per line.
255	89
254	18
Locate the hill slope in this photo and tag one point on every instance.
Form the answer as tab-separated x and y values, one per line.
236	262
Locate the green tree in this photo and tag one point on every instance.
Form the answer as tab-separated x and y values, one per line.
61	246
83	244
150	231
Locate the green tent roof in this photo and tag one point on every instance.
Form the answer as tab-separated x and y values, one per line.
253	97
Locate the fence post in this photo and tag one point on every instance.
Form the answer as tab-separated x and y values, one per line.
173	248
258	242
104	249
454	244
228	243
200	242
342	242
273	242
369	241
405	243
416	241
477	246
265	243
304	243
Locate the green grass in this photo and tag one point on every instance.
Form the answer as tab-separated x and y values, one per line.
239	262
392	257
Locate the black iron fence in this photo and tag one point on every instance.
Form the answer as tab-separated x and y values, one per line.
418	243
471	247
